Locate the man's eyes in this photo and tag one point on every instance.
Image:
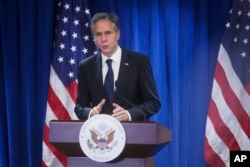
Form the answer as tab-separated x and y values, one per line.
105	33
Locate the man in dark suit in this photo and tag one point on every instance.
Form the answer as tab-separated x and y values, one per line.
133	94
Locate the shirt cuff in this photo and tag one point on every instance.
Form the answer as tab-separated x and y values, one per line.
129	116
90	113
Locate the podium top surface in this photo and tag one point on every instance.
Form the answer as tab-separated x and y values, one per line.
136	132
143	139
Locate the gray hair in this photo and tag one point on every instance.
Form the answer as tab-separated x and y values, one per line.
105	16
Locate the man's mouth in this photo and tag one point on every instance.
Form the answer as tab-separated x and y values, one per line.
105	46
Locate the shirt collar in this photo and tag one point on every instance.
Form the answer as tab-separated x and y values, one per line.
116	57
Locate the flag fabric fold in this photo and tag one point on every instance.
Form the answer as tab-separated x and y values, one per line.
228	119
72	43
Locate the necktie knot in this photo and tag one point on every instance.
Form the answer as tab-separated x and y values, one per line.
109	62
109	81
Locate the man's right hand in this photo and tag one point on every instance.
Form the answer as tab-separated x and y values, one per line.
97	109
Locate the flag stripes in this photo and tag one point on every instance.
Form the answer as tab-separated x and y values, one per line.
72	43
228	119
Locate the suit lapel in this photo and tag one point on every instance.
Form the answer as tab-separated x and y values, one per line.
98	73
123	71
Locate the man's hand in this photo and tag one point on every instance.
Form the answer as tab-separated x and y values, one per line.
97	109
120	113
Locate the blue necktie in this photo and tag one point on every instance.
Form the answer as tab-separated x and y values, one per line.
109	81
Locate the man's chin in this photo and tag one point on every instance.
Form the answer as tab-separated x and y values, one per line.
106	52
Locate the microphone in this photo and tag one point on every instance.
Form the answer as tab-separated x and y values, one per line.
128	102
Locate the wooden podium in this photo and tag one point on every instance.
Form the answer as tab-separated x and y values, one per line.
144	141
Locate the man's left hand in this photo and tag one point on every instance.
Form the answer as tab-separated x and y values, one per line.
120	113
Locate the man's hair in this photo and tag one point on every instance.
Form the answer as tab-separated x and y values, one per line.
105	16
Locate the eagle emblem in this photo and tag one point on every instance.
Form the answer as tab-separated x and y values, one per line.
102	141
102	138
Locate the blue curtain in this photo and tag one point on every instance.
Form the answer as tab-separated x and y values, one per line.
181	37
26	43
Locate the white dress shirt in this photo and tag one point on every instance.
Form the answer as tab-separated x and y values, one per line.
116	57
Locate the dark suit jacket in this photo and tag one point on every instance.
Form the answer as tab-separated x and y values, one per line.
135	87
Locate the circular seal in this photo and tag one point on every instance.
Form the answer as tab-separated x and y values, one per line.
102	138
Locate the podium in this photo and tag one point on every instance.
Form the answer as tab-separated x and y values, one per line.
144	140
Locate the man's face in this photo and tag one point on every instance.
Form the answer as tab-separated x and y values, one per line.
106	37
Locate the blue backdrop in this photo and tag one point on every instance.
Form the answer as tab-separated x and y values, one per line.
181	37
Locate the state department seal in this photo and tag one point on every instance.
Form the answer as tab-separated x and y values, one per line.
102	138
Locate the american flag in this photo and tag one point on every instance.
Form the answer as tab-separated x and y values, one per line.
228	120
73	42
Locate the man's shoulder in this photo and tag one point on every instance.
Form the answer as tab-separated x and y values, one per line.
132	54
89	60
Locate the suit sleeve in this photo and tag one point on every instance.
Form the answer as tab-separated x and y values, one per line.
148	92
82	107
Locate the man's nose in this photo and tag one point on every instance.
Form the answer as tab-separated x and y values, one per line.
104	37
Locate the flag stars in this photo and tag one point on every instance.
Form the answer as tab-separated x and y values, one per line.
86	25
77	9
60	59
235	39
69	19
74	35
71	74
231	11
247	27
228	25
85	50
73	48
243	54
245	41
76	22
66	6
237	26
87	11
64	33
72	61
248	14
65	19
62	46
239	12
86	37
